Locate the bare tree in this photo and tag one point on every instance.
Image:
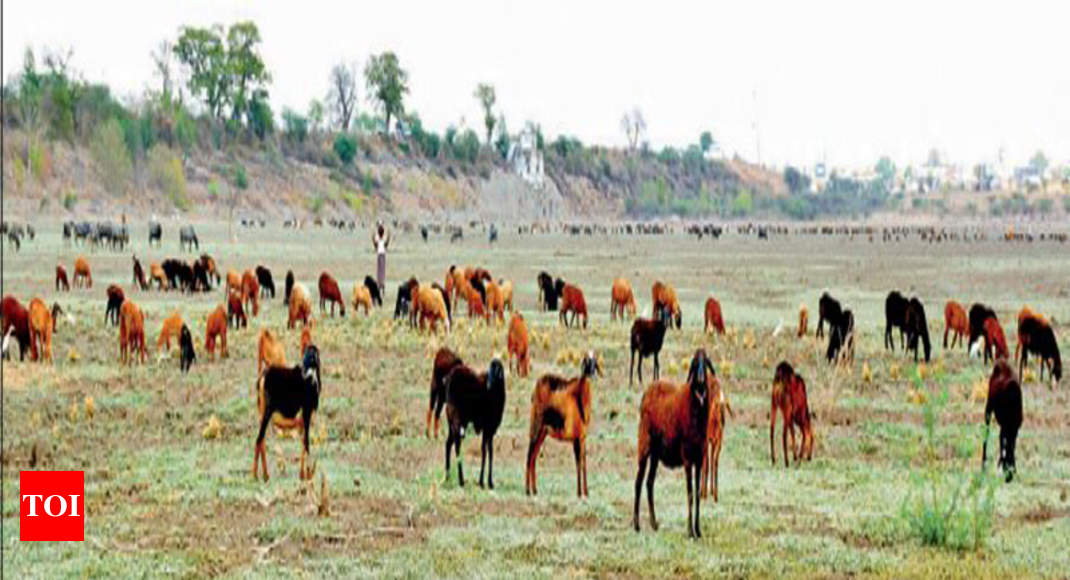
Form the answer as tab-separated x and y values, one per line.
162	62
634	126
342	96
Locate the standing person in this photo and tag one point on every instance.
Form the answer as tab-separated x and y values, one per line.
381	241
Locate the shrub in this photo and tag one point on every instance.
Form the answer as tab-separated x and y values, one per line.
109	151
743	204
345	147
947	506
315	203
466	147
295	125
69	201
241	181
165	171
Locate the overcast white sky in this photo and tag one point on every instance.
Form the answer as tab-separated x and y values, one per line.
847	81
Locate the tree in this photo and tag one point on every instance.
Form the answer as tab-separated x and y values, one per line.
258	116
342	96
110	156
1039	162
202	52
634	126
706	142
797	181
345	147
315	115
387	85
885	170
295	126
486	96
162	61
502	142
245	66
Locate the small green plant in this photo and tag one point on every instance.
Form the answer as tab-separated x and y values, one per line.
241	180
947	506
69	201
345	147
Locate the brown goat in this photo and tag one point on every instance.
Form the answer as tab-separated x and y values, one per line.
1005	402
664	296
250	292
300	306
518	345
955	321
561	408
306	337
429	304
235	311
233	281
216	328
506	288
621	299
156	274
131	332
42	324
172	326
82	276
804	320
713	316
270	351
572	301
330	292
495	303
673	423
995	339
17	321
715	437
61	279
789	399
362	296
445	361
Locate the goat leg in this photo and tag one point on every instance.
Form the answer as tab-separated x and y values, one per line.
650	491
638	491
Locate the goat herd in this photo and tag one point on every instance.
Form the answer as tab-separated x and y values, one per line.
680	424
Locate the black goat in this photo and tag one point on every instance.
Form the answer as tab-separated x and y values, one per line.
445	361
549	291
647	337
155	233
1036	336
895	316
404	299
917	327
979	313
185	342
477	400
841	336
828	309
266	281
289	287
288	397
373	289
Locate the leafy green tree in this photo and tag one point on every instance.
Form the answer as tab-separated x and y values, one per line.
345	147
109	152
706	142
259	117
202	52
342	95
486	96
387	85
246	68
294	125
743	204
502	142
797	181
466	147
315	115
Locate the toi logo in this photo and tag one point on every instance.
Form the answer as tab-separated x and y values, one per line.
52	506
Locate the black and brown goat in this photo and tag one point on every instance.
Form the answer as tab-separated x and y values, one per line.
445	361
648	335
561	408
1005	402
1036	336
288	397
266	281
185	343
477	400
789	399
673	423
116	297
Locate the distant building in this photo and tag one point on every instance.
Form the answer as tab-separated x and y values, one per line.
526	159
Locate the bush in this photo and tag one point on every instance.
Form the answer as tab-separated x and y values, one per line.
294	125
345	147
109	151
165	171
69	201
466	147
315	203
950	507
743	204
241	181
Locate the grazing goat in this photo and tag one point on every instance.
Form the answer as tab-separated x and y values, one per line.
673	420
895	316
208	264
374	290
549	291
403	305
445	361
715	437
250	292
235	311
306	337
42	325
572	301
329	292
955	321
475	303
561	408
288	397
841	337
82	276
172	326
300	306
518	345
233	281
139	275
266	281
506	288
288	288
477	400
17	324
714	320
1036	335
789	399
269	351
664	296
361	297
647	337
995	345
917	326
495	303
185	342
828	308
621	299
429	304
446	299
131	332
1005	402
216	328
61	279
115	302
156	274
804	320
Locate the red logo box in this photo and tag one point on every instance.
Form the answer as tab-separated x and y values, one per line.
52	506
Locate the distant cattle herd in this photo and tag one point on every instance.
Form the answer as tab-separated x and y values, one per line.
681	424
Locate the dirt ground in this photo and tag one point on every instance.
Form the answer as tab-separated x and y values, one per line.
167	457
